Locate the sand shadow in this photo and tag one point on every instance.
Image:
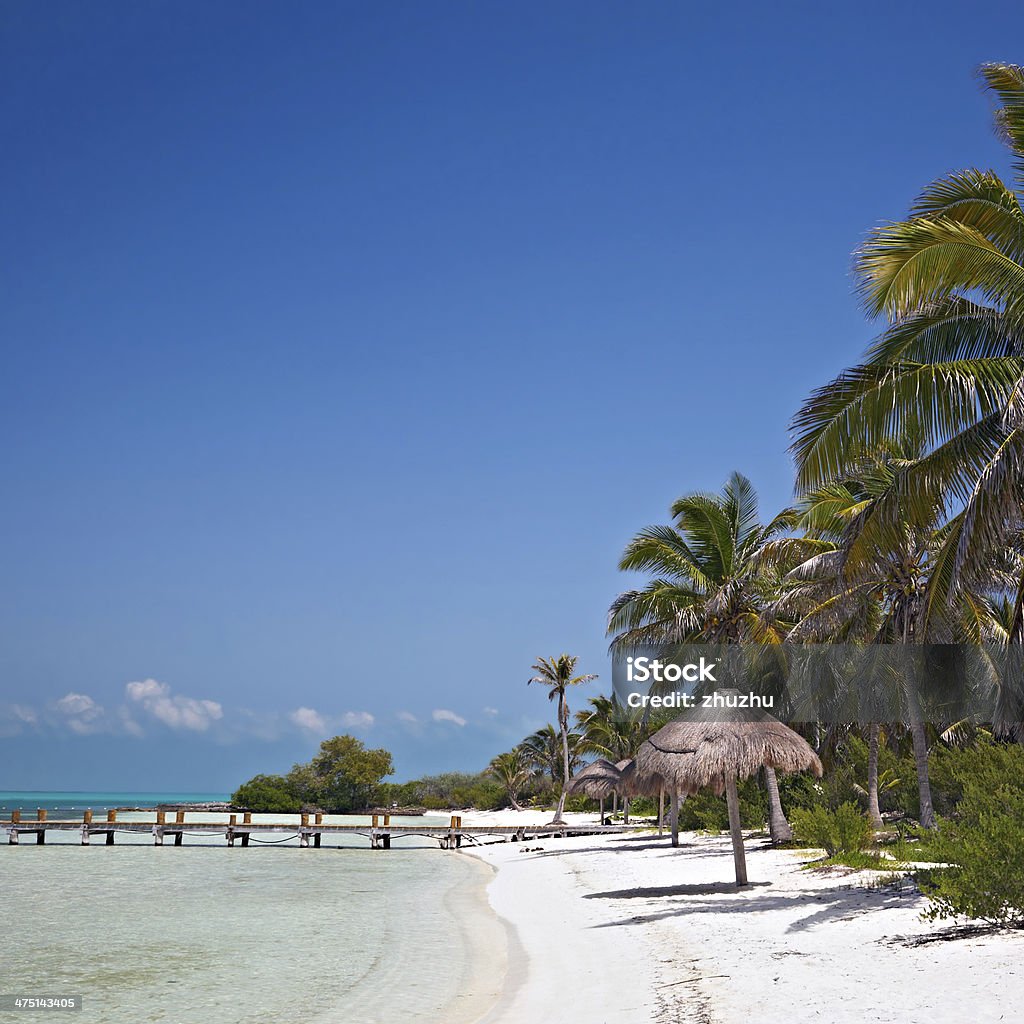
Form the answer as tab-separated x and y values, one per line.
822	906
654	892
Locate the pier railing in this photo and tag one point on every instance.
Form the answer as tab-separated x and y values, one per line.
310	829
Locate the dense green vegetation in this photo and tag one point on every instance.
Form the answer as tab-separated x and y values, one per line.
344	776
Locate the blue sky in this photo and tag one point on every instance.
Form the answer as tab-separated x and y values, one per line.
346	345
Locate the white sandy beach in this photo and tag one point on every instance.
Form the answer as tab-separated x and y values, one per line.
626	929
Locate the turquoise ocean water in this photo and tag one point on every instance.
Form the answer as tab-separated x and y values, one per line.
271	932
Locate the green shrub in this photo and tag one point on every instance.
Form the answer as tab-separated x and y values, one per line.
984	848
705	812
268	794
839	833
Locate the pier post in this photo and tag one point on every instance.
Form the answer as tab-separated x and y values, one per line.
247	818
41	814
316	838
85	834
304	836
41	837
158	834
177	838
319	818
15	816
231	829
111	818
245	838
12	837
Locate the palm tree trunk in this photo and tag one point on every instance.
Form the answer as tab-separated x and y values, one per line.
673	817
560	811
739	857
625	811
874	813
920	738
778	826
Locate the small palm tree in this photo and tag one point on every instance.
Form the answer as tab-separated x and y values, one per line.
710	584
558	675
512	770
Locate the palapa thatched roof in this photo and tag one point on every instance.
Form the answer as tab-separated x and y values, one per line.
705	745
633	784
598	780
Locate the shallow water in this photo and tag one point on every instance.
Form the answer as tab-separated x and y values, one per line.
206	933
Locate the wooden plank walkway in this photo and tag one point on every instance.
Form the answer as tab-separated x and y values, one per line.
379	831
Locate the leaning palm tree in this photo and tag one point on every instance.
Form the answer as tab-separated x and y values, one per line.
558	675
710	584
511	769
948	367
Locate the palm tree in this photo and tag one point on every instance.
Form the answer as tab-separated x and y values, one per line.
847	591
557	675
709	584
948	367
543	750
511	770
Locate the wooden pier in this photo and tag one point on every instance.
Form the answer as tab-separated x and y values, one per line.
379	831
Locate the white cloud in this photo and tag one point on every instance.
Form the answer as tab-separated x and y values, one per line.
357	719
176	712
78	704
14	718
490	711
309	719
407	716
23	713
444	715
80	713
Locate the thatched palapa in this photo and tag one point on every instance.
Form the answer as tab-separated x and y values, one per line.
598	780
713	747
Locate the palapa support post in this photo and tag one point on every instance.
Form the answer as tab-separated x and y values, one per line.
661	810
673	817
733	800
